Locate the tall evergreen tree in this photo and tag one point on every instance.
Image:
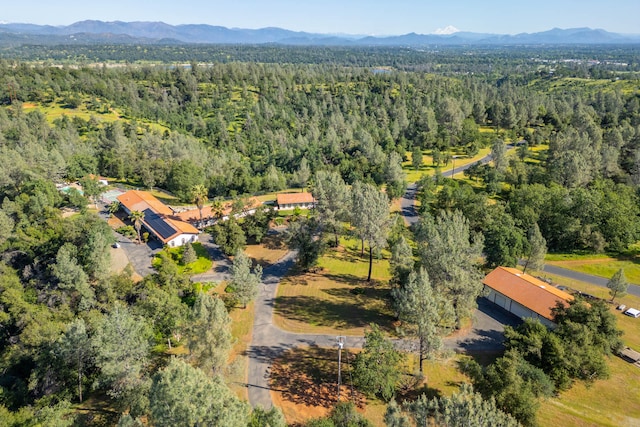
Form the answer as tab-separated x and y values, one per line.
417	304
209	335
537	249
245	282
394	176
450	256
416	157
182	395
121	345
332	201
370	217
74	349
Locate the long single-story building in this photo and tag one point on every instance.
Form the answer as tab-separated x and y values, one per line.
524	295
295	200
158	218
209	217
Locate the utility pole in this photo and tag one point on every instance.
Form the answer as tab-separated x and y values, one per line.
340	340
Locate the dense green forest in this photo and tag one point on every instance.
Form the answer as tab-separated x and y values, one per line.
249	120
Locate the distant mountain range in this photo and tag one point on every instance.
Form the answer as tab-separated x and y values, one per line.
162	33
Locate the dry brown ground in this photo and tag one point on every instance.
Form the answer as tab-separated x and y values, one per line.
270	250
120	261
303	383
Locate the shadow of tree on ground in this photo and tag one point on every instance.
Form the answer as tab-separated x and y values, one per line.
308	376
337	314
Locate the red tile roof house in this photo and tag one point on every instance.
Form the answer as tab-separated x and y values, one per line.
295	200
524	295
192	215
158	218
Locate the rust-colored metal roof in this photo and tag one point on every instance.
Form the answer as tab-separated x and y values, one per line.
527	290
294	198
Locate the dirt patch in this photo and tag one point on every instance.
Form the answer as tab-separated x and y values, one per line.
304	383
66	213
120	261
115	222
269	251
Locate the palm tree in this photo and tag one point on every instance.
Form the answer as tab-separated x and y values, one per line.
114	207
217	208
137	217
199	195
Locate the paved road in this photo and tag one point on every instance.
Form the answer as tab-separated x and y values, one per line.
407	202
140	255
269	341
407	205
587	278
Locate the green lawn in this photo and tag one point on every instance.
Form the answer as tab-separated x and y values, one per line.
200	265
602	265
610	402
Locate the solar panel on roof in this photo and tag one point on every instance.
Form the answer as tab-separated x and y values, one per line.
159	225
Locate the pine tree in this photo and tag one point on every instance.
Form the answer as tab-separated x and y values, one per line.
417	305
450	256
370	217
617	284
188	254
209	334
416	157
537	249
245	282
182	395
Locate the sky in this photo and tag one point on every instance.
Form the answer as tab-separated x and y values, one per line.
368	17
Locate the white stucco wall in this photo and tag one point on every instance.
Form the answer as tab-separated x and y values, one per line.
182	239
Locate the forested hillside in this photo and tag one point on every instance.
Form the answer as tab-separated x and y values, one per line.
266	120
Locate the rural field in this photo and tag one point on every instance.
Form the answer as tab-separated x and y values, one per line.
336	298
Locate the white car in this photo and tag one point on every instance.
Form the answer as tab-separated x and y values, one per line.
632	312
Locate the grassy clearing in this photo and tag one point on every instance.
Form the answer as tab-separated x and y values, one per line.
200	265
96	410
396	205
303	383
336	298
590	85
85	110
269	251
610	402
56	110
429	169
238	367
598	264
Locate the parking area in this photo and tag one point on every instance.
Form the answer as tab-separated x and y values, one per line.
486	335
